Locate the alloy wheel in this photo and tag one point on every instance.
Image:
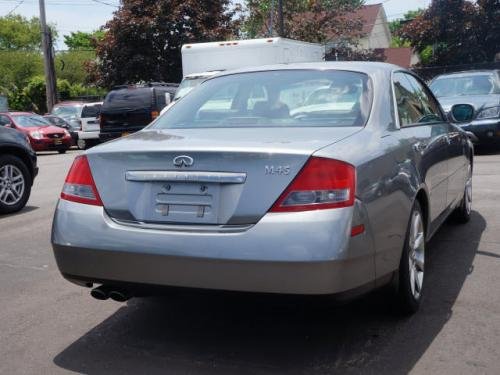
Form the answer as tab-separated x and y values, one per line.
416	254
12	185
468	191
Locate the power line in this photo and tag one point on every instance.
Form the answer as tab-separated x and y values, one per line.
105	3
17	6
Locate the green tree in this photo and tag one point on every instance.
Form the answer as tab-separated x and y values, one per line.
396	25
143	40
19	33
459	31
71	65
81	40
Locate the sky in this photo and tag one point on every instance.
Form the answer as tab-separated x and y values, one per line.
89	15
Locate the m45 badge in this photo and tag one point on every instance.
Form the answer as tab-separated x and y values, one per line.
280	170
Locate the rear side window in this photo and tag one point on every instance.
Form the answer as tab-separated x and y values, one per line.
91	111
282	98
414	104
128	99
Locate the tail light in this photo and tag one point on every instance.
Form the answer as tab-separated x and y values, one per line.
321	184
79	185
154	114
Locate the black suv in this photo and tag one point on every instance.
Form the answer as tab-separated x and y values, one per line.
18	169
127	109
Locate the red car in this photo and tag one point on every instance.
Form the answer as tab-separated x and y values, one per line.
42	135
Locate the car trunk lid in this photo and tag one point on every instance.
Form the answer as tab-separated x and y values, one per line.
203	176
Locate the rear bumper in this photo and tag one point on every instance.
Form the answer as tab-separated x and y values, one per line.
487	131
297	253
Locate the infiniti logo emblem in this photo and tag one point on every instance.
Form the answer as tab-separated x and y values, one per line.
183	161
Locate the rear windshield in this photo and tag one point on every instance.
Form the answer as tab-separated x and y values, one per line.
91	110
474	84
27	121
282	98
129	99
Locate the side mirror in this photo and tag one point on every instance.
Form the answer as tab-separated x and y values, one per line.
461	113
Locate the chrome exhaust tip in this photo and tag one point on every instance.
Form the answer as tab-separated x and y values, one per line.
100	293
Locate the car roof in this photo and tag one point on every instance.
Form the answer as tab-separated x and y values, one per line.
71	102
468	73
91	104
368	67
17	113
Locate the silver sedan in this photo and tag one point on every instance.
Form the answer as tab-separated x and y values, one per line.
324	178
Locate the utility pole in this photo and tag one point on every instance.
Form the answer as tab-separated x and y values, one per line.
271	19
48	58
280	18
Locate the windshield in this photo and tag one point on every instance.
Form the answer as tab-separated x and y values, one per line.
274	98
67	110
456	85
27	121
187	85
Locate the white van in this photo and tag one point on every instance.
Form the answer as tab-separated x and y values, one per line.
203	60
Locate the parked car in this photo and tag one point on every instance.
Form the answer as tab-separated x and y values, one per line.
18	169
42	135
69	111
84	117
62	123
127	109
248	197
479	88
89	134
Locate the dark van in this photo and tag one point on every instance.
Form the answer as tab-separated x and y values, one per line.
127	109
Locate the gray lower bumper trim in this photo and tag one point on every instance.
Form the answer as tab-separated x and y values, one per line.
326	277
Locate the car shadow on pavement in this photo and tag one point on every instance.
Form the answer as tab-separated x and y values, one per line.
25	210
249	334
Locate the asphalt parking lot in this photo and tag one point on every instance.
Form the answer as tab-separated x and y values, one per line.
49	326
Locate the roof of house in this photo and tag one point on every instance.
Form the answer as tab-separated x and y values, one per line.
398	56
368	15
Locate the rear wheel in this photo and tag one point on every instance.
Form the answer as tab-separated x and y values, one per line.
62	151
411	266
15	184
462	212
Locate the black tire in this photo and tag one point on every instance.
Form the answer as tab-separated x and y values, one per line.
82	144
62	151
407	301
462	213
6	160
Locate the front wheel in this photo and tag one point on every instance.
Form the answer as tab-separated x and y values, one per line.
411	266
15	184
62	151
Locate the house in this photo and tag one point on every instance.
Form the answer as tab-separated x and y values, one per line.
375	27
377	36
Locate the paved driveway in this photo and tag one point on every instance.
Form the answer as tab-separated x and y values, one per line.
49	326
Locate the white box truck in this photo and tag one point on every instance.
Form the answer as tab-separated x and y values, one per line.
203	60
